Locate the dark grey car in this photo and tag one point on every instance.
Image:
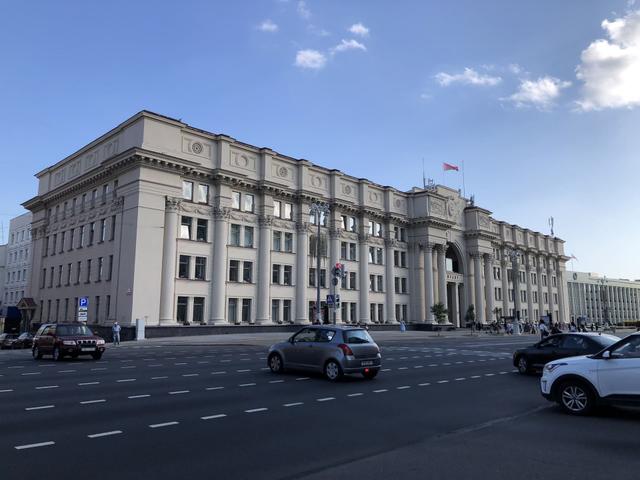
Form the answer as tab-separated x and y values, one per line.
332	349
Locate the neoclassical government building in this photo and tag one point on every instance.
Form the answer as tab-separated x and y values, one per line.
160	220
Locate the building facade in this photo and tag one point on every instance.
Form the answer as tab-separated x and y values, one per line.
598	299
17	273
163	221
3	269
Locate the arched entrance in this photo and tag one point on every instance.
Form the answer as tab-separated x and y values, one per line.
455	284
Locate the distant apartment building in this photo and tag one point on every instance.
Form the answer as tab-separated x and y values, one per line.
3	268
599	299
18	260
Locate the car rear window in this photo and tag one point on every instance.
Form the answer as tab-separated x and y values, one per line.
74	330
357	336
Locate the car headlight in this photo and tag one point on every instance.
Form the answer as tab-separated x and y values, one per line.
69	342
99	342
550	367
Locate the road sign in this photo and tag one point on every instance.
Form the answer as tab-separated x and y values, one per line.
83	316
330	300
83	302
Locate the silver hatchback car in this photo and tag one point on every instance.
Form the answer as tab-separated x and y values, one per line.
331	349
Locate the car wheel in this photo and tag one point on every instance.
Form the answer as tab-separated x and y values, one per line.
275	363
97	355
332	370
523	365
370	374
37	355
575	397
57	356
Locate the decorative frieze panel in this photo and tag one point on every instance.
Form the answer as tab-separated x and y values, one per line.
437	207
85	163
349	190
282	172
242	160
196	146
317	181
375	197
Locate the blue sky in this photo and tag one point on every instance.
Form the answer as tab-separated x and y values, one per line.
538	98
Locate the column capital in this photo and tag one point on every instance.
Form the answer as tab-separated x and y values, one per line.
172	204
475	255
390	243
335	232
302	227
488	257
363	237
221	213
265	221
440	247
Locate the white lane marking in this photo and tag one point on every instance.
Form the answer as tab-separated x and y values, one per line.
155	365
385	370
99	368
489	374
214	388
218	373
426	384
432	365
203	362
276	381
16	366
503	373
127	360
294	404
105	434
7	390
325	399
39	408
44	366
460	379
45	387
255	410
225	361
129	366
31	373
212	417
126	380
404	387
190	374
89	402
181	363
178	392
159	378
446	364
247	385
302	378
265	368
443	381
160	425
382	390
458	363
66	371
475	376
87	383
403	368
34	445
138	396
417	366
243	371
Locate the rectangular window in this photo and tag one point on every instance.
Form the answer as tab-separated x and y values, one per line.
181	309
371	254
352	251
108	313
396	258
246	310
396	282
248	203
343	250
344	223
78	272
380	280
277	241
185	227
372	283
234	266
234	239
248	236
353	225
198	310
45	250
183	266
235	200
403	259
287	277
43	280
62	235
371	228
97	309
286	311
100	268
312	277
352	280
187	191
84	202
277	209
247	272
68	282
380	313
201	268
379	256
105	193
372	312
71	232
275	311
323	278
403	285
288	211
88	271
275	274
110	268
233	310
288	242
54	242
103	230
112	230
92	231
201	230
352	312
203	193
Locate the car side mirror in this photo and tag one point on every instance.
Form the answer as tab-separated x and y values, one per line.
606	355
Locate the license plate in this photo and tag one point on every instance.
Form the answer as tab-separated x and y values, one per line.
367	363
88	349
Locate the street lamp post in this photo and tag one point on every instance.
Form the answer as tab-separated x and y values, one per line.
317	209
513	253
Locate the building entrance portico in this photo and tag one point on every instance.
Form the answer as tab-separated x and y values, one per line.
455	285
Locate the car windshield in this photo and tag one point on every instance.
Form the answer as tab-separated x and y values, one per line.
74	330
357	336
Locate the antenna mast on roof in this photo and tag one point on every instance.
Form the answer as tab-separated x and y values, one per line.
424	179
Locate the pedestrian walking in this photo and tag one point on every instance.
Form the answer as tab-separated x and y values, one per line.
116	333
403	327
544	331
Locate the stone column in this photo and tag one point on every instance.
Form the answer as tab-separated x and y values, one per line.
477	280
221	217
428	281
515	267
540	292
334	257
420	290
263	312
169	252
561	297
302	270
488	286
442	275
363	272
550	288
504	275
390	298
455	305
529	290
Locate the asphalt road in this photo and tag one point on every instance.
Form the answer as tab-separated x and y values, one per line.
441	408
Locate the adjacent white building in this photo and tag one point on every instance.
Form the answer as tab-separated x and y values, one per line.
3	268
600	299
160	220
17	272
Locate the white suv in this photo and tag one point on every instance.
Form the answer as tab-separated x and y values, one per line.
612	376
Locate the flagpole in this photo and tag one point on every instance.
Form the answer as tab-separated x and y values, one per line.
464	192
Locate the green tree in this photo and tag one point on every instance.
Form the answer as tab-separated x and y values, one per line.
470	316
496	312
440	312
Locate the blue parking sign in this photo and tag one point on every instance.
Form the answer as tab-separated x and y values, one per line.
83	302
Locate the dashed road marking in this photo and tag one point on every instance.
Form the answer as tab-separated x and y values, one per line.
443	381
404	387
243	370
165	424
105	434
159	378
126	380
87	383
214	388
190	374
178	392
212	417
42	407
34	445
255	410
294	404
6	390
132	397
276	381
247	385
46	387
89	402
382	390
302	378
325	399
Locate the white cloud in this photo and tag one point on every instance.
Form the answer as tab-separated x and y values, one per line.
515	69
541	93
268	26
312	59
303	10
610	69
359	29
350	44
469	77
